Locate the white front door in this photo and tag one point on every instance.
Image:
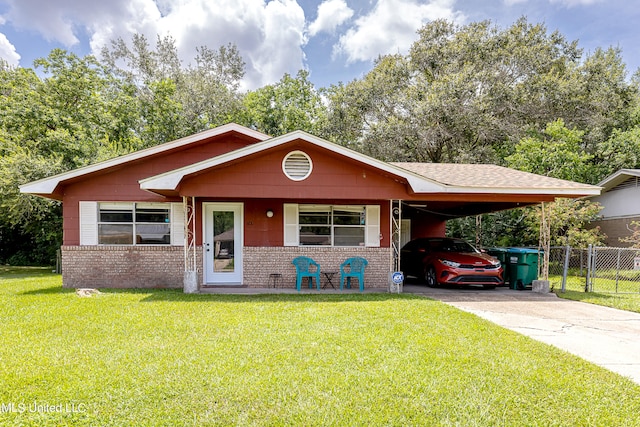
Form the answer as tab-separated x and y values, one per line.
223	238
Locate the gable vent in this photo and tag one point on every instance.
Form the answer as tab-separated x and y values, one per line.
633	182
297	165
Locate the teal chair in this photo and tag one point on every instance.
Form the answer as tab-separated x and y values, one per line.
304	266
353	267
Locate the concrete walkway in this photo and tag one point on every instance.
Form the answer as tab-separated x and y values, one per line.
604	336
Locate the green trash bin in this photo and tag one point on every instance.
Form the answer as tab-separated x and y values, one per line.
523	267
501	254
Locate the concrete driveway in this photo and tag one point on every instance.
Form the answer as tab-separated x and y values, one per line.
604	336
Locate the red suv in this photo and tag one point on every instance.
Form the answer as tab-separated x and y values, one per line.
446	261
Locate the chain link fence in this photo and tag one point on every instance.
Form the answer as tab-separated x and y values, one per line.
595	269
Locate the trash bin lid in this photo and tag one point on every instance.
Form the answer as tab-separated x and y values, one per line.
497	250
523	250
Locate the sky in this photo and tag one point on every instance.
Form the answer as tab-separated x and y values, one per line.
335	40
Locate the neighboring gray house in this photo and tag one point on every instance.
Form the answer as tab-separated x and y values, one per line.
620	199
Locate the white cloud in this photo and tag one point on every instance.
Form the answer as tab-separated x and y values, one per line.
60	20
571	3
331	14
269	34
567	3
8	51
391	27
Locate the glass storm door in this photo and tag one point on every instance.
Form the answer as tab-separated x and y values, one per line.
223	243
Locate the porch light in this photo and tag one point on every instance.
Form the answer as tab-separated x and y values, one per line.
269	213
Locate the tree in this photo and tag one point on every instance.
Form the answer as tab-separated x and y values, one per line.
462	94
634	236
470	93
73	116
290	104
621	150
556	152
82	111
568	220
606	101
30	227
479	93
175	100
496	229
210	91
370	114
66	114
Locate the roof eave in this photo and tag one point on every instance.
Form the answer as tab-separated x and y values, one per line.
171	180
617	178
47	186
559	192
44	187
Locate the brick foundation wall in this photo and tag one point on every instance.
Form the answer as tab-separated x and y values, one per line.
259	262
163	266
123	266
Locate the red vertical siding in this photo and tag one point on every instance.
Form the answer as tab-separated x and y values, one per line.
121	184
261	176
259	230
428	227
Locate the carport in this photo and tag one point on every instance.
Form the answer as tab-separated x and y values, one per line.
469	190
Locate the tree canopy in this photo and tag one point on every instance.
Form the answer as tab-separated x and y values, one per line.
470	93
290	104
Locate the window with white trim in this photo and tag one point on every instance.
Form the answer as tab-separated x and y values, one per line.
332	225
134	223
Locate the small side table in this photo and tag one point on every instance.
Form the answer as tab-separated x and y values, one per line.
329	275
274	279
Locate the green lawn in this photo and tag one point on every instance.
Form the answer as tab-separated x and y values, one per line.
607	297
629	302
166	358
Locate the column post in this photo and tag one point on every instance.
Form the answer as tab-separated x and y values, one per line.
190	259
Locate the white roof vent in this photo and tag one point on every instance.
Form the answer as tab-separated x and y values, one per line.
297	165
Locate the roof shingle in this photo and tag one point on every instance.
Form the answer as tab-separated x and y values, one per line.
486	176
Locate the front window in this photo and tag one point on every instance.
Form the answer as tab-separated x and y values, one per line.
325	225
134	224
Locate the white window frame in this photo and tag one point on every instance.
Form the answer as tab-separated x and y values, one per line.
371	226
89	216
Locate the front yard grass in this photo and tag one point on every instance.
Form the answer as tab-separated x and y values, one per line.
629	302
160	357
605	293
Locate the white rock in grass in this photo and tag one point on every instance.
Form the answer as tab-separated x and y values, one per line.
86	292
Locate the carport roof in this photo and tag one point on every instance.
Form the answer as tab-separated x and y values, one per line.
496	178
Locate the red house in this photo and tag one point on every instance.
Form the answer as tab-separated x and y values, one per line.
230	205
